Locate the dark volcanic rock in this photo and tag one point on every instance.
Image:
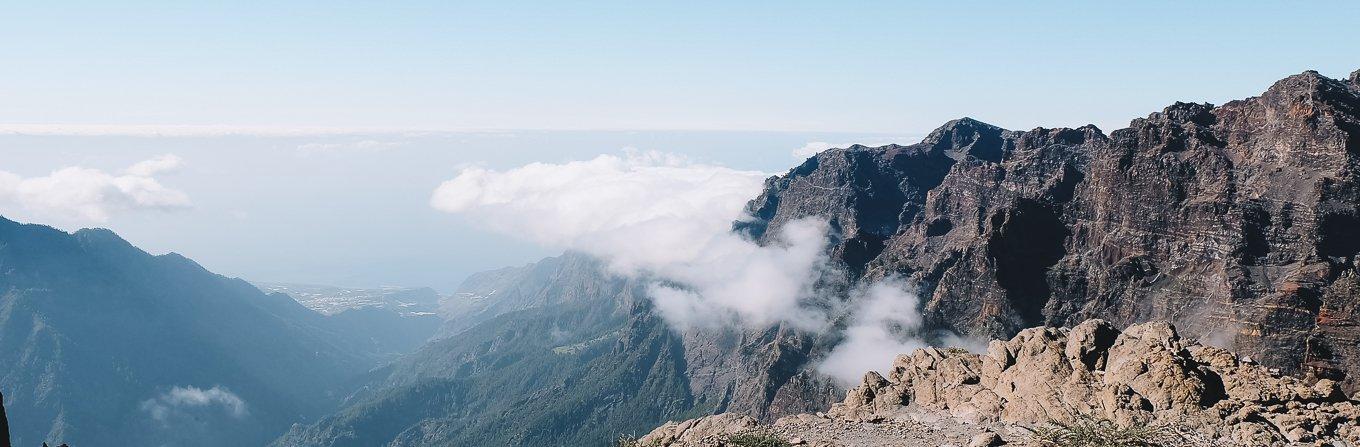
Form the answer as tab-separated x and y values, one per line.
1238	222
4	424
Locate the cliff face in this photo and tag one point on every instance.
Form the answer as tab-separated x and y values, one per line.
1239	222
4	424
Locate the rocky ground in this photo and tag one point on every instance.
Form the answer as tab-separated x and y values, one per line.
1142	379
909	428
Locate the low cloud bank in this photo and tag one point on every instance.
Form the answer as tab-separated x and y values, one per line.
670	218
92	195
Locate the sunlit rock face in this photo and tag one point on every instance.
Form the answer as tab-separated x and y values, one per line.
1143	376
1237	222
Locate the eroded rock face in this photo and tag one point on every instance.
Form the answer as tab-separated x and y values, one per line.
699	431
1145	375
1239	223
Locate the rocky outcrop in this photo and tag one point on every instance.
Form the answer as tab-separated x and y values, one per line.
700	430
1240	223
4	424
1145	375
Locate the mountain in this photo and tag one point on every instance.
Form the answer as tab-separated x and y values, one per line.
567	354
584	363
1240	223
102	344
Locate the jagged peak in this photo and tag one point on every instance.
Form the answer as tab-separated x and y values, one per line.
1041	136
1186	112
965	124
1310	83
1355	78
966	136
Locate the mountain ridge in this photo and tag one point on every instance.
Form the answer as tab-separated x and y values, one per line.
1050	226
109	345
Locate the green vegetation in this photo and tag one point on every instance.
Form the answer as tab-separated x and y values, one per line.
1090	431
757	440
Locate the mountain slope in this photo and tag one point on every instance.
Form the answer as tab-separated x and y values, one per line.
1239	222
576	371
578	358
104	344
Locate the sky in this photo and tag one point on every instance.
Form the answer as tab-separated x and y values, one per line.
306	138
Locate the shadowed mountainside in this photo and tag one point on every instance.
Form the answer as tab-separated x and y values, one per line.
102	344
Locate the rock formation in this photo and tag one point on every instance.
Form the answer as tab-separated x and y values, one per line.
1240	223
1146	375
4	424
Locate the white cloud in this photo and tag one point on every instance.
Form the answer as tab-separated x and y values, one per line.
155	165
659	214
93	195
812	148
884	323
169	404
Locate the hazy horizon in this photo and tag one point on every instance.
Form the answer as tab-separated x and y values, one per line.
307	138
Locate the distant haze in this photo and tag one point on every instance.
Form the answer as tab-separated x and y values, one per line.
300	141
343	210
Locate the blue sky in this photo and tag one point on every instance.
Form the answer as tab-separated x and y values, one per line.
295	121
809	66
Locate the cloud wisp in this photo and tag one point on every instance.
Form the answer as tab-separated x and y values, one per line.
92	195
884	322
671	219
170	404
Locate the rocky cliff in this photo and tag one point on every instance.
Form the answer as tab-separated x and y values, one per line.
1237	222
4	424
1145	380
